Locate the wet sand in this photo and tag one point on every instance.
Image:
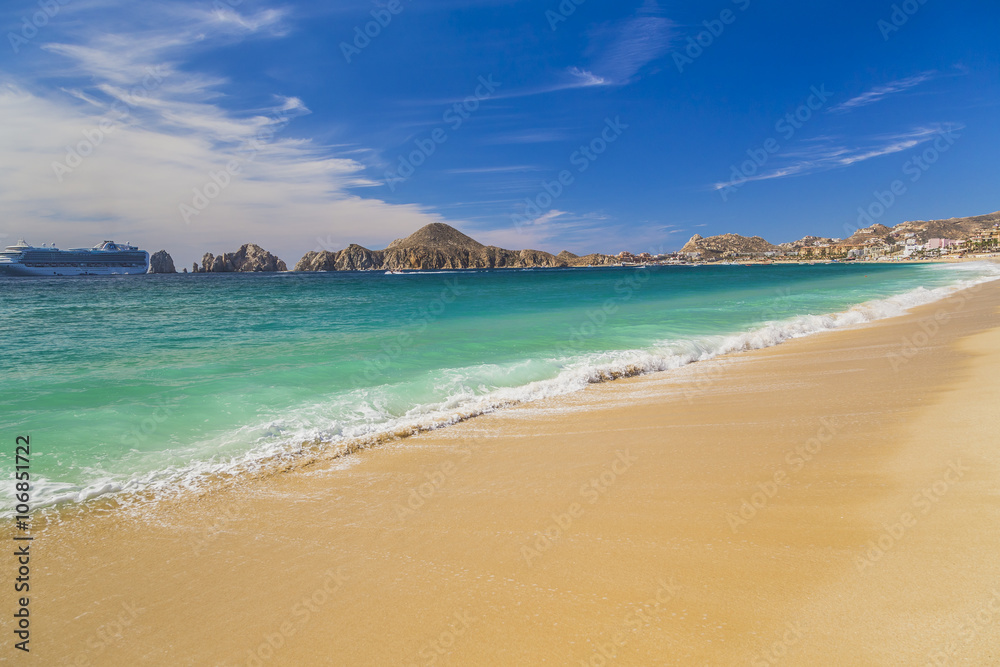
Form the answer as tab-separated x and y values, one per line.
833	500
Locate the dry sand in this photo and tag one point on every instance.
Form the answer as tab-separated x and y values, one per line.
599	528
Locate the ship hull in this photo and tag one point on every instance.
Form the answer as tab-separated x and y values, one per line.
105	259
14	269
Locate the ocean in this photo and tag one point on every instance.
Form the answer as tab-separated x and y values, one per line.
152	383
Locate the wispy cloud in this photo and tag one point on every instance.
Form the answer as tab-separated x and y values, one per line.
548	217
881	92
824	154
624	48
619	51
585	79
167	129
517	168
569	79
540	136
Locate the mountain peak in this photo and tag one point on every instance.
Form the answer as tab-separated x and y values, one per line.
438	235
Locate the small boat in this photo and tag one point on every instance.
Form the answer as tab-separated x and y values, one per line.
392	272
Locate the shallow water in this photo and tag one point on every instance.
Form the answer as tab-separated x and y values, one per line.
148	382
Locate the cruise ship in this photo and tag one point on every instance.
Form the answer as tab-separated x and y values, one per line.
104	259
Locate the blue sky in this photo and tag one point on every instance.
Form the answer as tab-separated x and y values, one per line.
198	126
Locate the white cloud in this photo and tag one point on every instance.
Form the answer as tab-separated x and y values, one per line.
548	217
154	131
824	154
586	78
495	170
881	92
632	44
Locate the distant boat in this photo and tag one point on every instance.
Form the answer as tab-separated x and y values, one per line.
104	259
392	272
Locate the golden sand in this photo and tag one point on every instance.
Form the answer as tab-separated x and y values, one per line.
831	501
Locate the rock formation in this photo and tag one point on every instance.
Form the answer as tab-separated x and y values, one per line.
922	231
438	246
952	228
249	258
727	245
161	262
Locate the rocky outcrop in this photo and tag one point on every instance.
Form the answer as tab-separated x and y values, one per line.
434	247
922	231
352	258
594	259
250	258
728	245
863	236
161	262
806	242
952	228
566	257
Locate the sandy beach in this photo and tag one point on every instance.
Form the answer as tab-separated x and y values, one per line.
832	500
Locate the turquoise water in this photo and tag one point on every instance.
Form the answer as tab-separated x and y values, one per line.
146	382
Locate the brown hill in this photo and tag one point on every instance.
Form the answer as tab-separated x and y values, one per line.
952	228
437	246
804	242
728	245
437	235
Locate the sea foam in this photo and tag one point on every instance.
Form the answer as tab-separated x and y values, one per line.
364	417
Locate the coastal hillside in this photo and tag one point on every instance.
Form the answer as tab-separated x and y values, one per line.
734	245
439	246
951	228
727	245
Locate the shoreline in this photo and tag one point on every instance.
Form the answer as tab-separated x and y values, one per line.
203	477
505	553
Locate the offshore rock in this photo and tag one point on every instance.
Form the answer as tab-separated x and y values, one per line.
161	262
250	258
